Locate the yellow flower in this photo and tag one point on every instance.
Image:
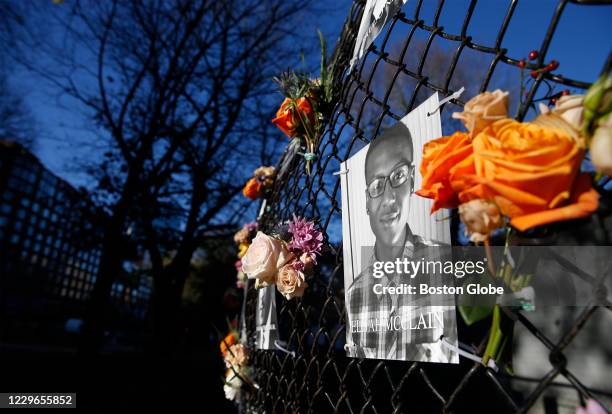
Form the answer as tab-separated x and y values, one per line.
242	249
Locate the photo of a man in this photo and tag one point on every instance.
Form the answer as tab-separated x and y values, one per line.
380	324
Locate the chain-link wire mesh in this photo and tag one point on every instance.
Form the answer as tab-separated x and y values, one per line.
393	78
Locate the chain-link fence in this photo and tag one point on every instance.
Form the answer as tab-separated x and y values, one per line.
413	57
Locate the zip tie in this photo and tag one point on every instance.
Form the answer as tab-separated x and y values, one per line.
468	355
310	156
280	348
341	172
445	100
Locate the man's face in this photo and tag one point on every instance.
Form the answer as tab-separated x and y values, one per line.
390	210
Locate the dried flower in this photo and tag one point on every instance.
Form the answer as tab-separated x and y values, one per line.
481	218
306	239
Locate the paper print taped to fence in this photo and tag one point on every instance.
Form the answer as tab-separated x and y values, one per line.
376	14
266	327
383	221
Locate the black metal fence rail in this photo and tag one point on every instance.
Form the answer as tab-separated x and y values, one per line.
50	246
320	378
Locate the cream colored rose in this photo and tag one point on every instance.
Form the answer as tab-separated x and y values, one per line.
601	147
482	110
290	282
264	257
480	219
570	108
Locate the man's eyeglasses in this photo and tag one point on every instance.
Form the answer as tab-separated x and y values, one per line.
397	177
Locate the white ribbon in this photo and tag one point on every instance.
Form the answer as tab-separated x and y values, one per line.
445	100
280	348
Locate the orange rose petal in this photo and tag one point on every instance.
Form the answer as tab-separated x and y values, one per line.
584	202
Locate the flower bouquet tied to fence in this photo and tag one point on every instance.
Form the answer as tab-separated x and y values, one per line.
285	258
307	103
237	372
260	185
505	174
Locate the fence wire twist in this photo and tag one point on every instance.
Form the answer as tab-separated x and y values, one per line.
319	377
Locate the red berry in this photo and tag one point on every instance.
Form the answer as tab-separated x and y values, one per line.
553	101
533	55
552	65
534	74
522	64
565	92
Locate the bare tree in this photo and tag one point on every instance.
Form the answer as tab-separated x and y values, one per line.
178	88
16	120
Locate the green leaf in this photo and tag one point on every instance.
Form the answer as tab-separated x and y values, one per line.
473	314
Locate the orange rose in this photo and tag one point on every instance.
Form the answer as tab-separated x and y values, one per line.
252	189
440	157
228	341
529	171
288	121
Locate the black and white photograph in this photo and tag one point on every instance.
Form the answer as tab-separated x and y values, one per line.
382	221
265	316
375	15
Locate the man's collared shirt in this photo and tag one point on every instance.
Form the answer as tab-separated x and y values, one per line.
399	326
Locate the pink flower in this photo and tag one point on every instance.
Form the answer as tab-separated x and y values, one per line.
592	407
306	239
251	227
264	257
238	265
290	282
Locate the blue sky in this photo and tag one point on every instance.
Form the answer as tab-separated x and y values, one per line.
581	44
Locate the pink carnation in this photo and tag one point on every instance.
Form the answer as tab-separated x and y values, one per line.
306	239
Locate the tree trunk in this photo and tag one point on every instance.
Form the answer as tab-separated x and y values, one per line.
111	258
168	289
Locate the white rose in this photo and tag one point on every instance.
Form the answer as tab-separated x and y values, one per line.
264	257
